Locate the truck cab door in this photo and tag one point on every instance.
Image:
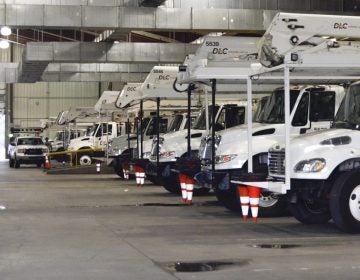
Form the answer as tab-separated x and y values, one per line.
300	123
108	130
322	110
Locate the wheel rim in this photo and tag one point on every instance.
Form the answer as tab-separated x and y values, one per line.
268	200
85	160
354	203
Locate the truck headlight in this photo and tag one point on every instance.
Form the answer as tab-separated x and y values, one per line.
21	151
224	158
45	151
311	165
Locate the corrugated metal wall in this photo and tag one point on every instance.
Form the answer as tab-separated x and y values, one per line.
43	100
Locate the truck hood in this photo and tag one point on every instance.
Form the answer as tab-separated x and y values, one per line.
181	135
312	141
325	145
239	132
234	140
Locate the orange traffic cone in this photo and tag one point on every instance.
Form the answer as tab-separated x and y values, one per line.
182	179
141	176
125	170
137	175
189	189
244	201
254	194
47	164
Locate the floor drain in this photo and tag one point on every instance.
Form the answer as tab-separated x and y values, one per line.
201	266
276	246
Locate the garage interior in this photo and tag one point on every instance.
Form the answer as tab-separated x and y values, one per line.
64	54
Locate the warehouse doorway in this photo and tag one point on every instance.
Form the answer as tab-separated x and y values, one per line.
2	137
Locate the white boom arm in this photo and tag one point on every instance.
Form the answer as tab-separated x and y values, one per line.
218	57
106	101
289	31
129	95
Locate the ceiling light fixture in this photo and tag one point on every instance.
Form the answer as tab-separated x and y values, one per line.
5	31
4	44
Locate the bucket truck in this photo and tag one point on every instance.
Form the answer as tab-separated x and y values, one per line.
220	63
318	173
158	85
231	144
102	130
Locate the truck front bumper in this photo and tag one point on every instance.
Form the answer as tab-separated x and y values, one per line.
259	180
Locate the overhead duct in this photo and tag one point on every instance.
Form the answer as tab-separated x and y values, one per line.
38	55
131	18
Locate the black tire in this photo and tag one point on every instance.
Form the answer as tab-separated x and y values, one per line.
309	212
272	205
154	179
345	201
172	184
11	163
16	163
39	164
229	198
118	168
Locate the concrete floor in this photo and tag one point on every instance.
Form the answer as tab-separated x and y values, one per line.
99	227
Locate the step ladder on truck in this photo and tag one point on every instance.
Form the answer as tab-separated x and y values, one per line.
317	173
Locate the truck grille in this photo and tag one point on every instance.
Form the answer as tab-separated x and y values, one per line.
33	152
276	162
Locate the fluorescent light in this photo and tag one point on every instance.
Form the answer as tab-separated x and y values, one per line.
4	44
5	31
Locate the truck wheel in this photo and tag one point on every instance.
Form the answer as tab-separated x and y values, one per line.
118	168
229	198
16	163
345	202
84	160
272	205
309	212
38	164
172	184
155	180
11	162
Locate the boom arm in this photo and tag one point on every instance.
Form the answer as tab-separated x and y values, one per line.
289	31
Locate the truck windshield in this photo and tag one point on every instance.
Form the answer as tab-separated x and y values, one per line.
348	115
30	141
200	122
176	123
274	110
60	135
145	122
259	113
92	130
152	127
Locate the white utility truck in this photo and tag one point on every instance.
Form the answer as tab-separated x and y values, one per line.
318	172
312	109
103	129
222	63
157	86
